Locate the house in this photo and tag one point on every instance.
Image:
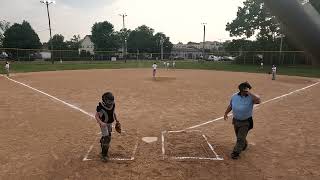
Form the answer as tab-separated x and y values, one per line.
194	45
86	45
211	45
185	53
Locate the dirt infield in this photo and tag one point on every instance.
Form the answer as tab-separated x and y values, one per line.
42	138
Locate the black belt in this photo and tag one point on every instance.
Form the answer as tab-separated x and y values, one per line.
248	119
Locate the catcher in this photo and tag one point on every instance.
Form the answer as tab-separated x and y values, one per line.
105	116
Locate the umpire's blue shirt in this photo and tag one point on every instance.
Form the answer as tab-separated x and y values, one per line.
242	106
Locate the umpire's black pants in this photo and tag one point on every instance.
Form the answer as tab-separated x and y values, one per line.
241	128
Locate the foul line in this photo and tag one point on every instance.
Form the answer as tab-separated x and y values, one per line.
55	98
278	97
79	109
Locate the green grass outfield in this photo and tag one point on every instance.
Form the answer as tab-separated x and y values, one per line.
36	66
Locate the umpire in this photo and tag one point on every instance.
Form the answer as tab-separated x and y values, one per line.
241	105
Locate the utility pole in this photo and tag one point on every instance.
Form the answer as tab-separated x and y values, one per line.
47	3
280	52
161	43
204	38
124	43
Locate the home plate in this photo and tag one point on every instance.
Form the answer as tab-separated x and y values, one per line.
149	139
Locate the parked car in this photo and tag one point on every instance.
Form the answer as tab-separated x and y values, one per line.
227	58
3	55
214	58
178	58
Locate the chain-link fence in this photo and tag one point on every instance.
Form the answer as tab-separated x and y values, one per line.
239	57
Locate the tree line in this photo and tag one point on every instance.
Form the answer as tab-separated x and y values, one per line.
105	38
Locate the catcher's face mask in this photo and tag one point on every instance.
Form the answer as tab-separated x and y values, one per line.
108	100
108	103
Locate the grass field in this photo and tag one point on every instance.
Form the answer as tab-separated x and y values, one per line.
36	66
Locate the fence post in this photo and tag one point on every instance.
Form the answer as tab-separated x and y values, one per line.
252	59
17	54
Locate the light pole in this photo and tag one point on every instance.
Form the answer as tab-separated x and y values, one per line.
124	44
204	38
47	3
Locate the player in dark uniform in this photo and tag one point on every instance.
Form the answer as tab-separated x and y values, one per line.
105	116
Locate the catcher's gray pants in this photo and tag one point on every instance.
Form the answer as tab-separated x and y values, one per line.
105	139
241	129
106	131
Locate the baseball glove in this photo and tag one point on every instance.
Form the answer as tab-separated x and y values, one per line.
118	127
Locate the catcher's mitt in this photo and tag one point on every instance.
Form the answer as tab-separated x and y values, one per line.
118	127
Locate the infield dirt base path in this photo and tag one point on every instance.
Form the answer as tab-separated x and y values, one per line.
42	138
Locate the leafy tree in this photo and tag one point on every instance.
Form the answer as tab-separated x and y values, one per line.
4	25
254	18
73	43
57	42
21	36
104	37
122	35
142	39
167	45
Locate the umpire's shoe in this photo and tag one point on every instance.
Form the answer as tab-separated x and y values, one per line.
235	155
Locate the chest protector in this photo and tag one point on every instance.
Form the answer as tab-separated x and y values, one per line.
107	115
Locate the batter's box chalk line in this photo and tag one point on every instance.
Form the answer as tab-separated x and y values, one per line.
217	157
112	158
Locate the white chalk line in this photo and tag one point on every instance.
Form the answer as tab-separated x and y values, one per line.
163	149
162	140
255	107
88	152
114	158
164	156
55	98
211	147
73	107
196	158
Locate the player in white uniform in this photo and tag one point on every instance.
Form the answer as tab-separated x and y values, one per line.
174	64
7	68
274	72
154	67
168	64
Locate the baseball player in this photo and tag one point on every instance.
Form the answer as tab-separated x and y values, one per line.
7	68
105	116
154	66
168	65
274	72
174	64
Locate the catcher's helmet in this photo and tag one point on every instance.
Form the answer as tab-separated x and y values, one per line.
108	99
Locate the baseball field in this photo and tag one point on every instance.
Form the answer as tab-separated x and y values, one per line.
48	130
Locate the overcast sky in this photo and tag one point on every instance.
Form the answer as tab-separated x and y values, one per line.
179	19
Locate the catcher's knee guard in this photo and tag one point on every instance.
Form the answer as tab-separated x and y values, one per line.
105	142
